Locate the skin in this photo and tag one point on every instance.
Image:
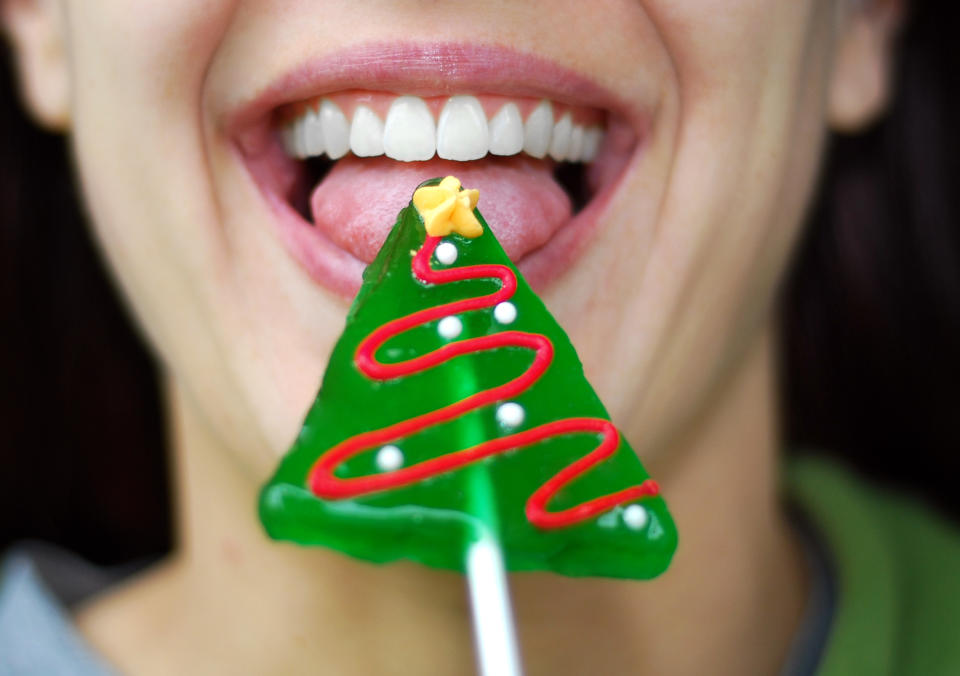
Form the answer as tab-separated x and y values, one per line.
678	340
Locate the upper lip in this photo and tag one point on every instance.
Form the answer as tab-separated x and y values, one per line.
432	69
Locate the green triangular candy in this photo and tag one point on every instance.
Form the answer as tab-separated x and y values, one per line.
432	519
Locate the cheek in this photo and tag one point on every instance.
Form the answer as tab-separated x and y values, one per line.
136	80
137	76
159	183
729	170
729	49
140	146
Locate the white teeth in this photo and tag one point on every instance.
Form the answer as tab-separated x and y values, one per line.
366	133
560	141
409	134
310	134
576	144
506	131
288	136
336	129
462	132
592	140
537	130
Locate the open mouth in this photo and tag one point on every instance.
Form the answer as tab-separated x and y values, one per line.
337	167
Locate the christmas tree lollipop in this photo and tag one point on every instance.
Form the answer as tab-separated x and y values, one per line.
454	408
454	427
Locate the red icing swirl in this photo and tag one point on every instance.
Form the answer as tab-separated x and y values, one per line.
325	484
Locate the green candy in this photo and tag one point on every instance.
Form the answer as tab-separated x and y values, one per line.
434	519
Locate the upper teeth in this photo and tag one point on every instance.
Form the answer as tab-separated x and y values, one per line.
462	132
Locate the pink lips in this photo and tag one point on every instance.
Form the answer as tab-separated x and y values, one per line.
357	203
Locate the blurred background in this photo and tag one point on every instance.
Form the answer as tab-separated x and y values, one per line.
871	321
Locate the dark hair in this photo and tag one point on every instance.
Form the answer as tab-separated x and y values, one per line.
82	442
870	320
870	315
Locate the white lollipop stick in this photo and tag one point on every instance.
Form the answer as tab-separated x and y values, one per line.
493	632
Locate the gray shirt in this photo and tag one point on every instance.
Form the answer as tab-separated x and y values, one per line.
37	636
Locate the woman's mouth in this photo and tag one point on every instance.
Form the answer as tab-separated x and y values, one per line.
337	165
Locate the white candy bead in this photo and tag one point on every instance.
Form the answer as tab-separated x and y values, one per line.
505	312
510	414
635	516
446	253
389	458
450	327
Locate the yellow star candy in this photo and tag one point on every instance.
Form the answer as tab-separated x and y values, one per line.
445	209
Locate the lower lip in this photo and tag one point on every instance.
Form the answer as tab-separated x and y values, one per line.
339	271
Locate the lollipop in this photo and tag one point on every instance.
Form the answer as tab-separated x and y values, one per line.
454	411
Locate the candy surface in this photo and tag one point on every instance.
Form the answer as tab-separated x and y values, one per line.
454	403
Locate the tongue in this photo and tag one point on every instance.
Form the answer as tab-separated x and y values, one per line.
357	203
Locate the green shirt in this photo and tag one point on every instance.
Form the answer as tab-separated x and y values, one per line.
898	574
